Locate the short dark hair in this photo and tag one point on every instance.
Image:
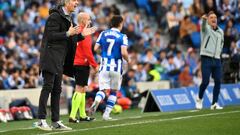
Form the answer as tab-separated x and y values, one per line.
116	20
210	12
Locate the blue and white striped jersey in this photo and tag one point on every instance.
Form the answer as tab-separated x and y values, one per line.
110	42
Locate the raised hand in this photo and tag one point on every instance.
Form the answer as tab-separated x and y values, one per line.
73	30
204	17
88	31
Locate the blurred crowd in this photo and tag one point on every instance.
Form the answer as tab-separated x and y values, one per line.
166	51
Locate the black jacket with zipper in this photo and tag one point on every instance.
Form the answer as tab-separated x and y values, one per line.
57	50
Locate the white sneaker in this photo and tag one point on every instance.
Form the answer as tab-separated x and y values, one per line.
42	124
108	118
216	106
60	126
199	104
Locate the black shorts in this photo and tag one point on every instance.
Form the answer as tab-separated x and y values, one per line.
81	75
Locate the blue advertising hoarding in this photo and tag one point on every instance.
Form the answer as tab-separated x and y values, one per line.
230	94
173	100
167	100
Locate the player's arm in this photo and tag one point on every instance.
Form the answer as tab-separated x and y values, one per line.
204	22
124	53
124	48
85	32
89	56
54	29
96	47
98	42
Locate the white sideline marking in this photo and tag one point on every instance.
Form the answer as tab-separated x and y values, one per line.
17	129
144	122
134	117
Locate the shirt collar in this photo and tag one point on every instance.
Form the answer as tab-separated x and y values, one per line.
115	29
65	11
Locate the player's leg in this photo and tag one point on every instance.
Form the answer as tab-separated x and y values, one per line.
115	84
48	81
76	100
55	98
112	98
216	74
104	81
77	96
84	87
206	72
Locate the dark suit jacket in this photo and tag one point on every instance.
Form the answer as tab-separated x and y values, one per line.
57	50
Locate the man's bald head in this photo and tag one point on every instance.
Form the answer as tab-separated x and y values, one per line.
83	18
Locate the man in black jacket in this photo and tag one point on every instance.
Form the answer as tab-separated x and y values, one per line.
56	58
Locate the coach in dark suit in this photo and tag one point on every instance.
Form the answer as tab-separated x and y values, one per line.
56	58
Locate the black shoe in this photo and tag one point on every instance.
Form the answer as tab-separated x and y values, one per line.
86	119
71	120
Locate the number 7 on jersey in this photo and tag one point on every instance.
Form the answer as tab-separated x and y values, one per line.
111	43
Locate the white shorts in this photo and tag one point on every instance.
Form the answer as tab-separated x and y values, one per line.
109	80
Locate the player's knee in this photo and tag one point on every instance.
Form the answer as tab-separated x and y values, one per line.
99	96
205	82
112	97
57	90
217	80
217	83
47	87
79	89
113	92
85	88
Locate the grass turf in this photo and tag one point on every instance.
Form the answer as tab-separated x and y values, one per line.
133	122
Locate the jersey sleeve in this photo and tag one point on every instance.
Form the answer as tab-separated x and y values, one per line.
99	39
125	40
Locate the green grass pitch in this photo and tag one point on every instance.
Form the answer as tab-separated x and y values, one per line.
133	122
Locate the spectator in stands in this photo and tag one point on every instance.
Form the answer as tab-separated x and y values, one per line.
3	79
187	27
226	16
146	34
138	23
227	5
230	35
43	10
129	83
149	57
163	58
210	5
172	71
15	19
14	81
179	60
196	9
174	18
191	59
185	77
140	73
171	49
155	43
197	78
130	32
162	10
4	25
127	18
24	25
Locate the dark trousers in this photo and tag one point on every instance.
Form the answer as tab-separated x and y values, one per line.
210	66
51	84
